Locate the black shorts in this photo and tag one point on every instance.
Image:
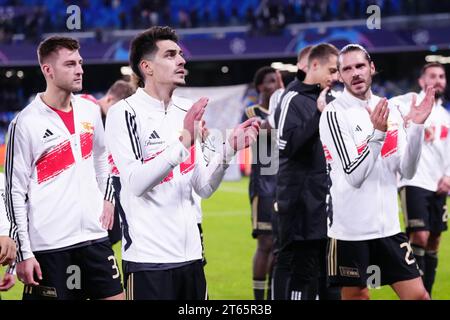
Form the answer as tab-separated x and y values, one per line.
262	211
182	283
371	262
87	272
423	210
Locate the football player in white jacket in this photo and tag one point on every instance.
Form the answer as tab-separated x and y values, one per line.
367	142
424	196
56	181
152	136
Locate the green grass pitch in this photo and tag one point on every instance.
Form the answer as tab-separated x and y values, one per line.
230	248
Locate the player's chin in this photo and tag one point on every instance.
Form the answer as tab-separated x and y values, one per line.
76	88
180	82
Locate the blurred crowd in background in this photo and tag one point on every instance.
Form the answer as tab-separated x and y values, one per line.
35	17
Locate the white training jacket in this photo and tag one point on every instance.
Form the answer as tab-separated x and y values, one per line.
435	158
158	176
55	181
364	166
4	221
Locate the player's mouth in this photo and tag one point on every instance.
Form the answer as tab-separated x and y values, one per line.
181	72
357	82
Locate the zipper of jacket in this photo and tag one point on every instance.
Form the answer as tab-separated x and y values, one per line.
383	207
78	157
74	146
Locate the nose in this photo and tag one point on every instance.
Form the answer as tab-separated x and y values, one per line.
79	69
181	60
356	74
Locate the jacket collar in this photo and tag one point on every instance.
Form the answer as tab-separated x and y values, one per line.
41	104
351	100
149	101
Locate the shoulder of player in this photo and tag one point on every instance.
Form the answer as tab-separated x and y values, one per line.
28	115
182	103
120	107
86	104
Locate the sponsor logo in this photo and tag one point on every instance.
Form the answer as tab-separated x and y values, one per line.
349	272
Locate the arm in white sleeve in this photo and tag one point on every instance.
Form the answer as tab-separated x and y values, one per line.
18	171
210	167
123	141
338	139
100	155
4	221
410	148
447	155
410	139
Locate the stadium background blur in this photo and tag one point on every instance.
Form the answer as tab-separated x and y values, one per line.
225	42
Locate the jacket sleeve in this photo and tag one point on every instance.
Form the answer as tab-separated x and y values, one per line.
410	139
123	141
410	146
4	221
338	139
447	146
100	155
18	170
295	126
210	166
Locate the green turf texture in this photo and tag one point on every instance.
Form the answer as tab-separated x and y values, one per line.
230	248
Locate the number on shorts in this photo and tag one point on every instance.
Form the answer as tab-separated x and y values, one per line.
408	252
114	266
445	215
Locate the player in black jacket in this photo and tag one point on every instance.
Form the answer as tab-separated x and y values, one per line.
302	181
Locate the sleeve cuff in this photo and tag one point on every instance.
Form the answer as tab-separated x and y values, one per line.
176	153
415	127
378	135
25	256
228	152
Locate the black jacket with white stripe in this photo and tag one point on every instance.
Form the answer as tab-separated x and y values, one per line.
302	182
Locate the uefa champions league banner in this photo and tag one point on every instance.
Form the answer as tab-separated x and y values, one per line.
224	112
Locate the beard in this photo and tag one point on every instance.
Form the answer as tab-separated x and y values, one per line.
362	92
439	93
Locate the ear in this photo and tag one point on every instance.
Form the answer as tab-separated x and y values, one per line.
421	82
372	68
340	78
146	67
47	70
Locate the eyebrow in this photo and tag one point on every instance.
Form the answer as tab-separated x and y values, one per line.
173	51
356	65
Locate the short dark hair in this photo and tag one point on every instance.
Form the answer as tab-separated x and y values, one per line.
144	44
304	52
354	47
260	75
431	65
121	89
53	44
322	52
